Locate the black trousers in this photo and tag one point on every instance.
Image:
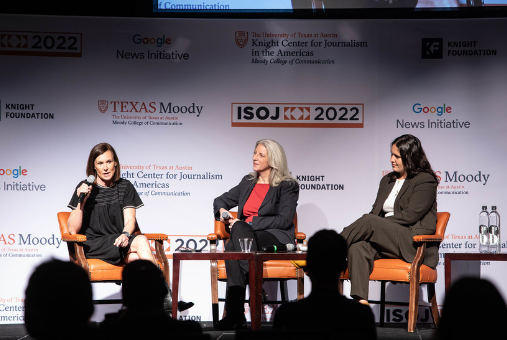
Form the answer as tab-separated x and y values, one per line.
237	270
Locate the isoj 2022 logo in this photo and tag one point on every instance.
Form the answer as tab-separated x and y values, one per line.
297	115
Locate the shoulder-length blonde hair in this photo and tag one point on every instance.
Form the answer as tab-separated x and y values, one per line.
277	161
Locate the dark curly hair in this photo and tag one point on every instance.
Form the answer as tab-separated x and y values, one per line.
413	157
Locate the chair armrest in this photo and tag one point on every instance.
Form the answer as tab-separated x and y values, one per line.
156	237
300	236
73	237
217	236
428	238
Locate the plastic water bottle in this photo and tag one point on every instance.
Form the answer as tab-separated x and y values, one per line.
494	231
483	230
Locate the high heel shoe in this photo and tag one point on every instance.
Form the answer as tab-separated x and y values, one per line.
168	302
182	305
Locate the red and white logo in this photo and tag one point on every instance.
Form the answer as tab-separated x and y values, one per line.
241	38
296	113
103	104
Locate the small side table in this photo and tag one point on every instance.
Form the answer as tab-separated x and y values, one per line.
260	257
473	267
207	256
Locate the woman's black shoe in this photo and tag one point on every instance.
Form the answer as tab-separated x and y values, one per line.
230	323
182	305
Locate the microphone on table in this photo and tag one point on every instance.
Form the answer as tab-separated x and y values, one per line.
225	215
274	249
89	181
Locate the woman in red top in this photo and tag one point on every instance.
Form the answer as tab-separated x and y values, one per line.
266	200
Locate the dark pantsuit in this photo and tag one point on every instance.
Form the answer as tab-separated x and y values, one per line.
373	236
368	239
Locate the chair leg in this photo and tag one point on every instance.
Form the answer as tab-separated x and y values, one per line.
300	283
432	297
283	291
382	303
214	290
413	303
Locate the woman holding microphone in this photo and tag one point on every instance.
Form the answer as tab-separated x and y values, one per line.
107	215
266	200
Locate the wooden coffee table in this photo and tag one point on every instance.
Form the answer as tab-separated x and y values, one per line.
260	258
209	256
255	264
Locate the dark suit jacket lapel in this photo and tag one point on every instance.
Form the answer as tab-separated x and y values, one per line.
247	190
403	189
271	192
384	193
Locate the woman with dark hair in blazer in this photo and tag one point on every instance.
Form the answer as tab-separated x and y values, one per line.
266	200
406	206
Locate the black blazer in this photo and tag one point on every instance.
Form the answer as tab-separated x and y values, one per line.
277	210
415	208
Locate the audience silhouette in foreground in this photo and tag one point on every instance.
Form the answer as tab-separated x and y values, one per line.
325	309
473	309
143	291
58	302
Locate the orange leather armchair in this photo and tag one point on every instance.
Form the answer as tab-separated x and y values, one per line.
101	271
415	273
272	271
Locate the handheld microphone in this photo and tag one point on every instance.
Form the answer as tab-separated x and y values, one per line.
89	181
225	215
274	249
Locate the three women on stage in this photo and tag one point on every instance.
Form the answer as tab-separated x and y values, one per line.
267	199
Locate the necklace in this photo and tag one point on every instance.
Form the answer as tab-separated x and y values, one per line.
398	185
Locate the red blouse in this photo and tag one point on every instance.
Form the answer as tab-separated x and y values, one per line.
254	202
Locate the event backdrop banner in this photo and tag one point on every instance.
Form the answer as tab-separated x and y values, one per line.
183	102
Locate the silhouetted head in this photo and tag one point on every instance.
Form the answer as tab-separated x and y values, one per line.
143	285
473	309
58	300
327	256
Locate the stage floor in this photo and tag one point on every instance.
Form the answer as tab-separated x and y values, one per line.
390	332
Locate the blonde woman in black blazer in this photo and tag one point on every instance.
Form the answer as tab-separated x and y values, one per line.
266	201
406	206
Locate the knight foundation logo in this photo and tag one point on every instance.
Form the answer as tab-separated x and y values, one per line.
241	38
432	48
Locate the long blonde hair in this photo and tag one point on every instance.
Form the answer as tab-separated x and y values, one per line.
277	161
